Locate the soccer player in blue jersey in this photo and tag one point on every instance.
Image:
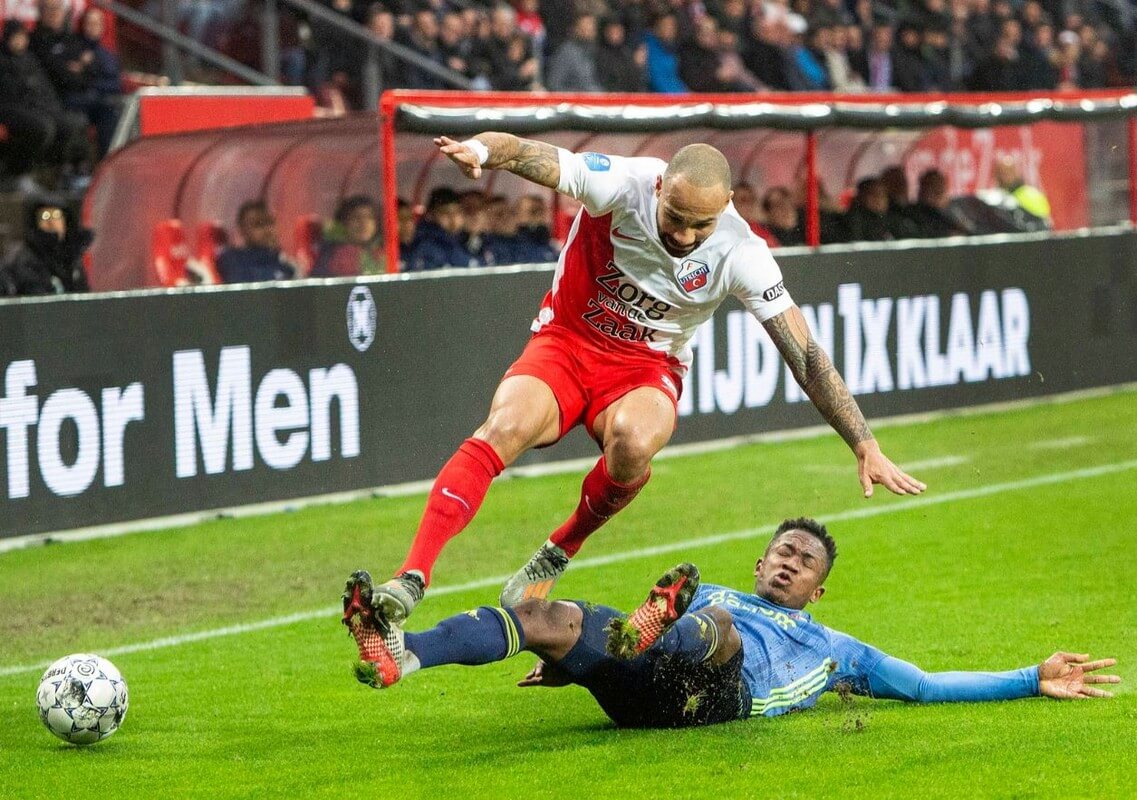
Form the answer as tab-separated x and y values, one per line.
697	655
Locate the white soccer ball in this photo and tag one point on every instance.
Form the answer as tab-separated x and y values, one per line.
82	698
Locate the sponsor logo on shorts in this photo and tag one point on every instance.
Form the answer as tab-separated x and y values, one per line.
693	275
774	292
597	162
669	385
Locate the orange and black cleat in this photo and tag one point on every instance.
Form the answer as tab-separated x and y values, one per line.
666	603
380	642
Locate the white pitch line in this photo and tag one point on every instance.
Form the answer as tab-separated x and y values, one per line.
908	466
1060	444
864	512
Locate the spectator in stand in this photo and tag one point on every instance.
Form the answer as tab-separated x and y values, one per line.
422	37
1001	71
731	66
809	60
1066	60
506	54
875	62
57	49
700	67
663	56
867	217
530	23
895	181
1092	61
259	258
501	244
407	224
26	89
746	204
619	64
98	94
455	47
831	13
930	211
1009	178
782	217
335	60
573	67
437	241
381	23
1037	51
982	31
909	71
50	259
835	52
533	230
937	58
765	53
475	221
731	15
351	244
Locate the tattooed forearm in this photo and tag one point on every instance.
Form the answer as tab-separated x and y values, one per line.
530	159
815	372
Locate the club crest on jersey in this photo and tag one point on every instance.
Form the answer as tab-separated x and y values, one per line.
597	162
693	275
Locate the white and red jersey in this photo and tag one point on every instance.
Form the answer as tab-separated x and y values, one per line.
617	286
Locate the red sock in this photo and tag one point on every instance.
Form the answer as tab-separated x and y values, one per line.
454	499
600	498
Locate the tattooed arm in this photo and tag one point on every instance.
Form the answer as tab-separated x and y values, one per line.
528	158
813	369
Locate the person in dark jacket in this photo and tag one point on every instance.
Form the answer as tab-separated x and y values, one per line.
98	90
438	241
867	217
25	87
50	259
259	258
619	65
930	211
909	70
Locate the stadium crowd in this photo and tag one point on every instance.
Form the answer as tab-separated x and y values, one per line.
60	97
674	46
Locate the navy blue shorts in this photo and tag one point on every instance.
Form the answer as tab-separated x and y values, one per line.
667	686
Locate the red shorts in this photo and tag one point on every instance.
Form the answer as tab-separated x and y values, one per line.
586	379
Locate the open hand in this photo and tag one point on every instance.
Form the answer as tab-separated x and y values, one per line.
1066	676
464	157
873	466
544	675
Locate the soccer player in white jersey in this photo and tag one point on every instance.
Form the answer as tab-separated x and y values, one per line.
655	249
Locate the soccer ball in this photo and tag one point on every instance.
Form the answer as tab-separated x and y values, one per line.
82	698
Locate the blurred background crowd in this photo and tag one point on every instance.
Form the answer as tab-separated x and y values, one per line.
673	46
62	85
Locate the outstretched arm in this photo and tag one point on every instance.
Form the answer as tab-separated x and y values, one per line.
535	161
1063	675
814	371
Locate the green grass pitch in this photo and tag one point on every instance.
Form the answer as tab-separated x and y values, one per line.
1019	548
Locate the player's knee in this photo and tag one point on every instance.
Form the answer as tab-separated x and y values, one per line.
548	626
507	433
729	640
629	449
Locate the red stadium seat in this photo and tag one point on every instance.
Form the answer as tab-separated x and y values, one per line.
306	233
211	239
169	253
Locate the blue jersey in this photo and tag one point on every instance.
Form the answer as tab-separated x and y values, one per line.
789	660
